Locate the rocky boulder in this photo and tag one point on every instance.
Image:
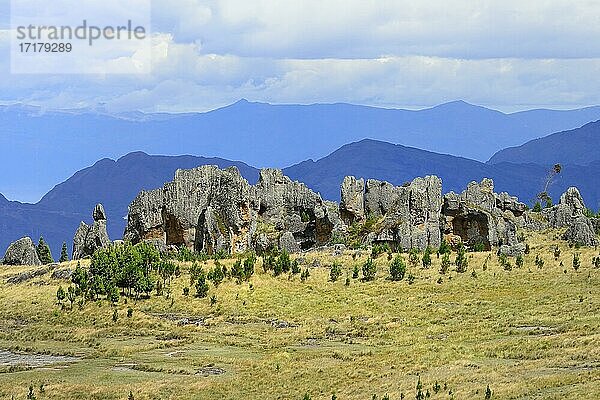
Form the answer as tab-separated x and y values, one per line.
90	238
481	217
570	213
22	252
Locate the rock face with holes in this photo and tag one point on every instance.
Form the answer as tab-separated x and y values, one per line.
90	238
211	210
21	252
407	216
482	218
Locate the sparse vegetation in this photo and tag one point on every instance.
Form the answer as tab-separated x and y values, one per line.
325	338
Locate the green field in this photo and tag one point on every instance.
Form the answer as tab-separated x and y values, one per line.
528	333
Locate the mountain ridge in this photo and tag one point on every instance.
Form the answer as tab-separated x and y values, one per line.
261	134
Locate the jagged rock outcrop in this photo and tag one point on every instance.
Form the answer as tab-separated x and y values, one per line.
21	252
209	209
481	217
411	213
352	200
570	213
407	216
90	238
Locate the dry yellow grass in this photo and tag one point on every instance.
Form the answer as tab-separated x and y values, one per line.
529	333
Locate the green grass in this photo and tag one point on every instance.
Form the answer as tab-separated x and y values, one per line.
529	333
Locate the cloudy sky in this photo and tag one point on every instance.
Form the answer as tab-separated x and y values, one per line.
506	54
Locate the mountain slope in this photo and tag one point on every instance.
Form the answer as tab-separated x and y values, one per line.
112	183
55	144
398	164
578	146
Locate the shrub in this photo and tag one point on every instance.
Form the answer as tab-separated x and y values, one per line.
445	265
380	248
411	279
413	257
461	262
60	295
216	275
115	315
283	263
355	272
556	253
397	268
576	261
539	262
295	267
444	248
504	262
369	270
201	286
304	275
479	247
335	272
129	312
537	207
519	261
426	260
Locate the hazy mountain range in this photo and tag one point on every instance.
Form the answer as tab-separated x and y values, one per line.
48	147
520	171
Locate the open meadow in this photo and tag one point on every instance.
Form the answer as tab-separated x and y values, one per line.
531	332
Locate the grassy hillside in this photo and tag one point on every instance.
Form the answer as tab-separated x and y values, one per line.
528	333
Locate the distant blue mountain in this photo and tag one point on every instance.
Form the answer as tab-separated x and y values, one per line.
578	146
39	149
399	164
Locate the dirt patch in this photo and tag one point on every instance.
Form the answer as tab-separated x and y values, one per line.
10	359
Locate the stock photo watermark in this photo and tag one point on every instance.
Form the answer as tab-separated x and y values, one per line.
80	37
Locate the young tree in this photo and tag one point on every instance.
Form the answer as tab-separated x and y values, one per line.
413	257
397	268
369	270
576	262
64	255
445	265
60	295
426	260
43	252
335	272
461	262
201	286
216	275
519	261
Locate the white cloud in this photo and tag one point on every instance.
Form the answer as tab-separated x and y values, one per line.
508	54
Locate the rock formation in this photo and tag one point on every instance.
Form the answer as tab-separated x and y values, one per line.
90	238
22	252
481	217
352	201
570	213
408	215
210	210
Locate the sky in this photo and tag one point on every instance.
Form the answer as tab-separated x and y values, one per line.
505	54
